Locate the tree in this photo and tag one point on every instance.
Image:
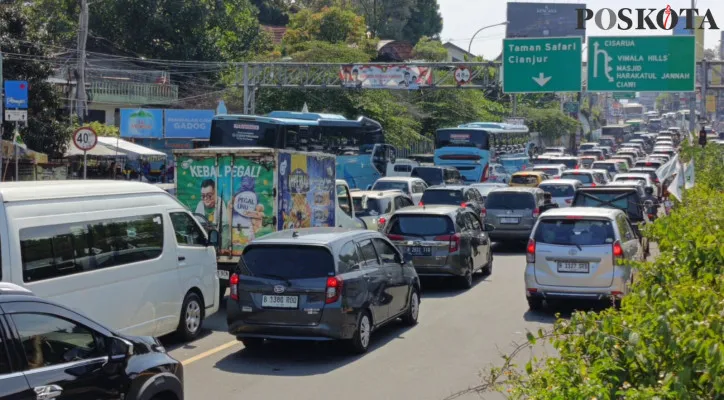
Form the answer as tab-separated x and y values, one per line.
386	19
99	128
711	54
331	24
425	20
550	123
45	131
429	50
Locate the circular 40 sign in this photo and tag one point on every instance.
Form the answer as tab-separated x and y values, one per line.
85	138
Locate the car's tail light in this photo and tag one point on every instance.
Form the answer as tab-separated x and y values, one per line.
484	177
569	201
463	204
656	180
530	251
484	213
593	185
453	241
381	221
334	289
234	287
395	237
617	251
421	204
651	216
574	217
536	213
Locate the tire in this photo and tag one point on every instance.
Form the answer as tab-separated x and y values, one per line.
191	318
413	310
360	342
466	281
252	343
488	268
535	304
222	294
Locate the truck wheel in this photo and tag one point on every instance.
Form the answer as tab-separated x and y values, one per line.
192	317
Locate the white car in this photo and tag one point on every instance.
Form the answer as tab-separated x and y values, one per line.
401	167
552	170
562	190
413	187
485	188
640	177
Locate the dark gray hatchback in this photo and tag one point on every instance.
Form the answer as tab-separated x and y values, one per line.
321	284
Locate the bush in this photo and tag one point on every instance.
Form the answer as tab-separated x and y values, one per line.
667	340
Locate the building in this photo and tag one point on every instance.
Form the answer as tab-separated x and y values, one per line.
457	54
394	51
113	83
275	32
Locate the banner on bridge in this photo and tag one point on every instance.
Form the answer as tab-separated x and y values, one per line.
389	76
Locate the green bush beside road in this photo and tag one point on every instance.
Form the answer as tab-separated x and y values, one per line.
667	340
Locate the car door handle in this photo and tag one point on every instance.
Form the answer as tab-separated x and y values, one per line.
48	392
181	258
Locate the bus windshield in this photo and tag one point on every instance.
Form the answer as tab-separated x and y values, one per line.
243	133
462	138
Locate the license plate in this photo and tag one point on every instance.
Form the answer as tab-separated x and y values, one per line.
419	251
268	301
573	267
509	220
222	274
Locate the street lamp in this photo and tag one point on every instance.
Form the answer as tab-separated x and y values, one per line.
482	29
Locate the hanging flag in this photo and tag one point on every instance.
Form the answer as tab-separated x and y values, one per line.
18	141
305	109
689	175
678	183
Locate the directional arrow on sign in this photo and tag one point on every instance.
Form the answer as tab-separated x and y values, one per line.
541	79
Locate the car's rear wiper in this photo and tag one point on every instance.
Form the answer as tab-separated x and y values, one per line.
277	277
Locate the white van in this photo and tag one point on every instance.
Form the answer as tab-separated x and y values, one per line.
127	254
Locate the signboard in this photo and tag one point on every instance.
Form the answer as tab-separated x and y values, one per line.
571	107
16	95
711	104
195	124
141	123
391	76
624	95
535	20
16	115
641	64
85	138
514	121
699	38
542	65
462	75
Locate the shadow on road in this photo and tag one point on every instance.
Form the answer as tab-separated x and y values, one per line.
438	288
563	310
213	323
512	248
287	358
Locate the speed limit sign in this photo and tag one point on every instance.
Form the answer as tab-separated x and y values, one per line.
85	138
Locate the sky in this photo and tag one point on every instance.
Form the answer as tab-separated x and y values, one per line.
461	18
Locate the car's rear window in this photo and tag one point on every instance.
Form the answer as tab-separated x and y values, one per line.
599	199
569	163
558	190
509	201
630	179
433	176
587	162
288	262
366	207
388	185
449	197
421	225
572	232
524	179
549	171
580	177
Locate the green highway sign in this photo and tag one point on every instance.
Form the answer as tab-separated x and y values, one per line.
624	95
641	64
539	65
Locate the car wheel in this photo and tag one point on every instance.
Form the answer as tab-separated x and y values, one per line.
252	343
535	304
222	294
192	316
466	281
360	341
413	310
488	268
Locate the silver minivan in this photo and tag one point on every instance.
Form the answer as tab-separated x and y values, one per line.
513	211
562	190
580	253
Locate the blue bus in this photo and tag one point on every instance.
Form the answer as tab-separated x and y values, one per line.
359	145
471	147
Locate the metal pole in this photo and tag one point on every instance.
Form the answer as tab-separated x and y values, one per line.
85	164
470	46
82	105
704	84
246	89
692	96
2	117
15	146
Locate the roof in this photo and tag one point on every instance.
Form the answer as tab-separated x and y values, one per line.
375	193
276	32
130	150
448	187
631	175
521	189
541	166
528	172
311	236
7	288
573	182
431	209
582	211
97	151
302	119
398	179
394	50
451	45
42	190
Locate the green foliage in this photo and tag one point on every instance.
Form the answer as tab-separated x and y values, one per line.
317	51
425	20
449	108
551	123
100	129
667	340
401	19
430	50
331	24
45	131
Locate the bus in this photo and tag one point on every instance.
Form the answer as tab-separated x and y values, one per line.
621	132
470	147
633	111
362	156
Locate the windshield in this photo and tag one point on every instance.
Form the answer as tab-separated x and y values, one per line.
461	138
421	225
607	166
569	163
580	177
242	133
558	190
549	171
449	197
625	200
509	201
287	262
524	179
386	185
588	146
431	175
575	232
371	207
485	189
587	162
630	179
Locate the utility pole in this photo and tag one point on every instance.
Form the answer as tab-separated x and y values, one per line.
2	117
692	96
82	100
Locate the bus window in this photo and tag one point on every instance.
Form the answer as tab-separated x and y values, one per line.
461	138
242	133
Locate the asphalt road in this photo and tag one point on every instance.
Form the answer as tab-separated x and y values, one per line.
458	335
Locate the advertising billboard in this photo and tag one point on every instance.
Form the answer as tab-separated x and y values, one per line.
393	76
141	123
190	124
536	20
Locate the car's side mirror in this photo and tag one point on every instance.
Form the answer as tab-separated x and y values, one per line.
213	238
119	349
488	227
369	187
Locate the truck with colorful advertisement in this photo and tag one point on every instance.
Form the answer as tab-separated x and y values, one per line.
246	193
